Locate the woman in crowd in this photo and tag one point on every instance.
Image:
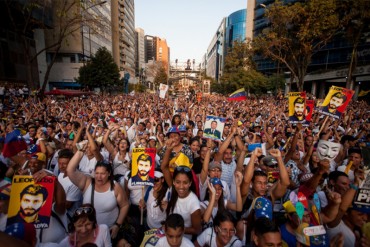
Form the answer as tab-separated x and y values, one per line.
84	229
194	144
107	196
119	154
183	198
222	234
214	200
155	201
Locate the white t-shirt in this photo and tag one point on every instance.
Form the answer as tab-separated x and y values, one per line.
73	193
154	214
208	237
349	239
87	166
102	238
185	207
162	242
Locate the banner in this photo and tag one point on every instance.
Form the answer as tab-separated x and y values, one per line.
143	166
31	202
163	88
310	105
336	101
362	198
297	107
213	127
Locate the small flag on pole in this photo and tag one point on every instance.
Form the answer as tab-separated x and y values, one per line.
238	95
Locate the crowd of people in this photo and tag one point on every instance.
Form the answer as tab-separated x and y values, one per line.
262	182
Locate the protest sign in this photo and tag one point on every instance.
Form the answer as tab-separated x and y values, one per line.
336	101
31	202
213	127
297	107
143	166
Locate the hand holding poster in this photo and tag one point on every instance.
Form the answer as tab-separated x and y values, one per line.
297	105
336	101
213	127
31	202
143	166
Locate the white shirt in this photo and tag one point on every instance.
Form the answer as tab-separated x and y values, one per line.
208	237
162	242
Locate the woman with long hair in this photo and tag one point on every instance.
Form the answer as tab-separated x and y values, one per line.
221	234
107	196
183	198
214	200
155	201
119	153
84	229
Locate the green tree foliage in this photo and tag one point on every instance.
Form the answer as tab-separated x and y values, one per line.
296	32
355	18
161	76
100	71
239	72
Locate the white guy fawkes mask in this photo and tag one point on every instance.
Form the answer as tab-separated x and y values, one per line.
328	150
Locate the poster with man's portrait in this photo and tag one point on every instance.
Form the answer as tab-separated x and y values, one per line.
336	101
213	127
31	202
143	166
297	107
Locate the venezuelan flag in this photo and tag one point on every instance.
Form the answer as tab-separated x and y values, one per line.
238	95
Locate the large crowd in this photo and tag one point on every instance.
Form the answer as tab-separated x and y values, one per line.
263	183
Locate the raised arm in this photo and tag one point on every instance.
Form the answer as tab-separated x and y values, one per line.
211	203
282	184
107	143
92	145
165	162
204	172
77	178
248	172
225	144
238	206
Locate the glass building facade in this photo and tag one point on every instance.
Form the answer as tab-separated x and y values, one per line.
235	28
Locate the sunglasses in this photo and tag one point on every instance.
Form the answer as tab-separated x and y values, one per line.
183	168
156	180
83	210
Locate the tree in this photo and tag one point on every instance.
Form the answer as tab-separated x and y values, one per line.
239	71
161	76
100	71
68	18
296	32
355	17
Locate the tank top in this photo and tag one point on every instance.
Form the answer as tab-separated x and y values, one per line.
105	204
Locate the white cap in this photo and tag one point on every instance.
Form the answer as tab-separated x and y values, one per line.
158	174
153	138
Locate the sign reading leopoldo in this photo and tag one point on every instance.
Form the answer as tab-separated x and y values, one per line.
314	230
363	195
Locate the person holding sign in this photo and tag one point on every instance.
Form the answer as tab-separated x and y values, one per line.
32	198
213	130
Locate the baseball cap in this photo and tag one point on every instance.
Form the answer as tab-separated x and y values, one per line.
158	174
173	129
262	207
215	181
269	161
182	128
153	138
214	164
39	156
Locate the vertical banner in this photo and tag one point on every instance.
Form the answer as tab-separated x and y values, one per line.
310	104
297	107
143	166
336	101
31	202
199	97
163	90
213	127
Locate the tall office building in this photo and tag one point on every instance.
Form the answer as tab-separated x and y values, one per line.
15	66
139	51
123	35
150	48
235	28
80	45
163	53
